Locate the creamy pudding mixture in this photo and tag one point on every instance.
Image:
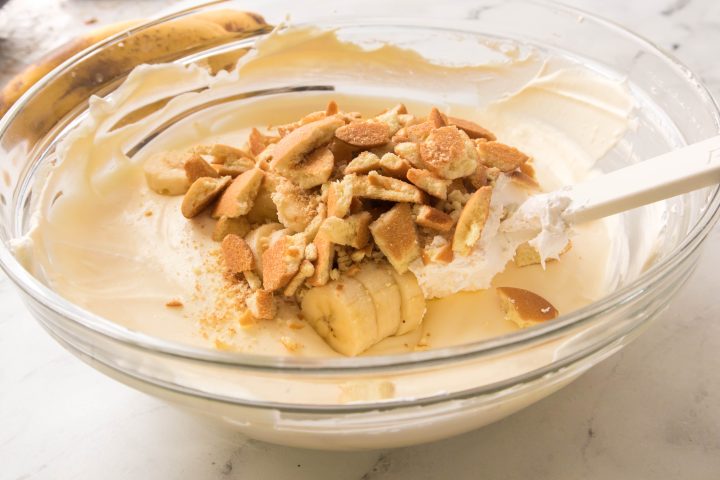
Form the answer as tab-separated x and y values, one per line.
106	239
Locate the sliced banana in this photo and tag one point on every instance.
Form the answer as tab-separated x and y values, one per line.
165	173
385	293
343	314
413	302
259	240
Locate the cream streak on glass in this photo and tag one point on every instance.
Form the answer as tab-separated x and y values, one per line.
96	244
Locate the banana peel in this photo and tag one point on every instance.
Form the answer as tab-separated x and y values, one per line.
160	43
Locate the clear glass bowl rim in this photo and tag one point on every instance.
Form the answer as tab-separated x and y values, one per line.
97	324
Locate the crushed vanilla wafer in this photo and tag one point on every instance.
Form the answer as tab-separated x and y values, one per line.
313	200
528	255
525	308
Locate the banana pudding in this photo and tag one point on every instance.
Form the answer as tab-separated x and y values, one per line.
358	205
353	229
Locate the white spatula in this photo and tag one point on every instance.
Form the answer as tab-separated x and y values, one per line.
667	175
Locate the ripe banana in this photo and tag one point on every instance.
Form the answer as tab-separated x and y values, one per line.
343	314
34	72
259	240
413	302
385	294
165	173
159	43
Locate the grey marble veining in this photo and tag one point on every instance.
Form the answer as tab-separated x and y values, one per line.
652	411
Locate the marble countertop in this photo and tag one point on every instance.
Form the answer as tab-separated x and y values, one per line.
651	411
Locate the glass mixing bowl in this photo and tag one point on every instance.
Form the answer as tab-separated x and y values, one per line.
400	399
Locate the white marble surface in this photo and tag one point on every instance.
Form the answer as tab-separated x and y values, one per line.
652	411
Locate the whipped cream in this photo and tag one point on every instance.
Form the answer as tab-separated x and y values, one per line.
542	214
488	258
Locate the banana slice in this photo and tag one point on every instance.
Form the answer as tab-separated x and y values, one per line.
343	314
259	240
385	294
165	173
413	302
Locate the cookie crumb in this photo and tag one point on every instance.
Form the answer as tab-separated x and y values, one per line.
295	324
290	344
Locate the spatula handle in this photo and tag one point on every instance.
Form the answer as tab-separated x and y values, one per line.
680	171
